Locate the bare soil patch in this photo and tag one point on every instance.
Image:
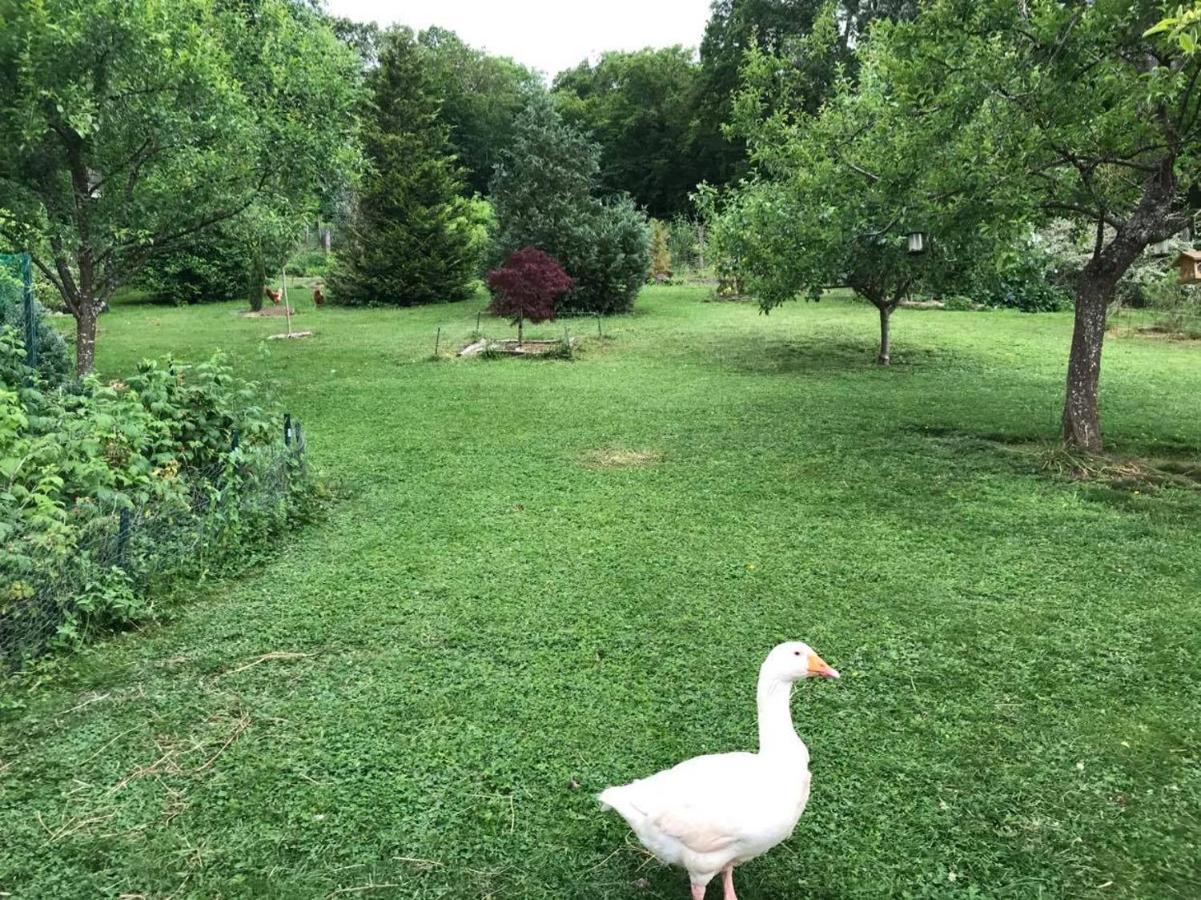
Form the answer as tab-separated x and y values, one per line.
267	312
615	458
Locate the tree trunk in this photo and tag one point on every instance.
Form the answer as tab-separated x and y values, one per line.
1081	414
1151	220
1094	290
883	358
520	323
85	335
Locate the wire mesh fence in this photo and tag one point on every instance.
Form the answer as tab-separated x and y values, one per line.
1182	320
123	550
16	300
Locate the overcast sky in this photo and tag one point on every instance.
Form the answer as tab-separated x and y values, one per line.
548	35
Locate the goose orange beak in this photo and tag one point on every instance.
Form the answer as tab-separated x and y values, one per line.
818	666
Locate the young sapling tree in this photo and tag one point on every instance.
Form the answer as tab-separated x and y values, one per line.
527	287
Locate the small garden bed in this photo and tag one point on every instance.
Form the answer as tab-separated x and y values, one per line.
487	347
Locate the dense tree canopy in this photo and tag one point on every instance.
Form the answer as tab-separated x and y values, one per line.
778	28
481	97
131	125
840	193
1082	114
967	122
661	116
639	107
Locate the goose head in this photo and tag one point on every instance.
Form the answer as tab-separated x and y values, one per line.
793	661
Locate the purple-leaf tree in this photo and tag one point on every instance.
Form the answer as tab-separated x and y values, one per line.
527	286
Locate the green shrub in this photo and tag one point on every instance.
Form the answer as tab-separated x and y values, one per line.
481	219
211	267
54	359
1024	275
684	243
309	264
1176	308
543	194
110	488
608	256
1069	248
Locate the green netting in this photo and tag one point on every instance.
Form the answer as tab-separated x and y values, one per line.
16	300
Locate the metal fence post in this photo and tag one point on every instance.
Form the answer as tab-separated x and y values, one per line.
287	429
124	522
31	325
299	441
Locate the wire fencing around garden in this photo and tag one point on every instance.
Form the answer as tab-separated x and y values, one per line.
16	300
1179	320
125	550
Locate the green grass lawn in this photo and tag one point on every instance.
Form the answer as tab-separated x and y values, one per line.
496	614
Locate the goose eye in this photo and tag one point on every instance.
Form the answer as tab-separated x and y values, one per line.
796	652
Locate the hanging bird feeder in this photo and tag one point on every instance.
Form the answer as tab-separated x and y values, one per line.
917	242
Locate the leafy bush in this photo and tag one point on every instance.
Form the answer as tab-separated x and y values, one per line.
1069	248
526	287
1176	307
481	226
608	257
1023	278
543	194
54	360
684	243
309	264
109	487
211	267
728	225
660	251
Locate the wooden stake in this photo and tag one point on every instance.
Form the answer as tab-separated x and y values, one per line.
283	284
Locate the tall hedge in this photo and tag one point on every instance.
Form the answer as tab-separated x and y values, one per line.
209	267
544	195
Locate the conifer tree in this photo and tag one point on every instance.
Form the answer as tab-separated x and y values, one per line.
409	240
544	196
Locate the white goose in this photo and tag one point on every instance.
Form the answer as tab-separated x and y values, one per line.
712	813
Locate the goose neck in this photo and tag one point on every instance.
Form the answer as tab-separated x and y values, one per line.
776	732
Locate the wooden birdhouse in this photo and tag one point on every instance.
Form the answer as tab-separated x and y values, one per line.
1189	264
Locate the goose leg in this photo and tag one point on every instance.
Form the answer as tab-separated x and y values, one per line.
698	892
727	880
